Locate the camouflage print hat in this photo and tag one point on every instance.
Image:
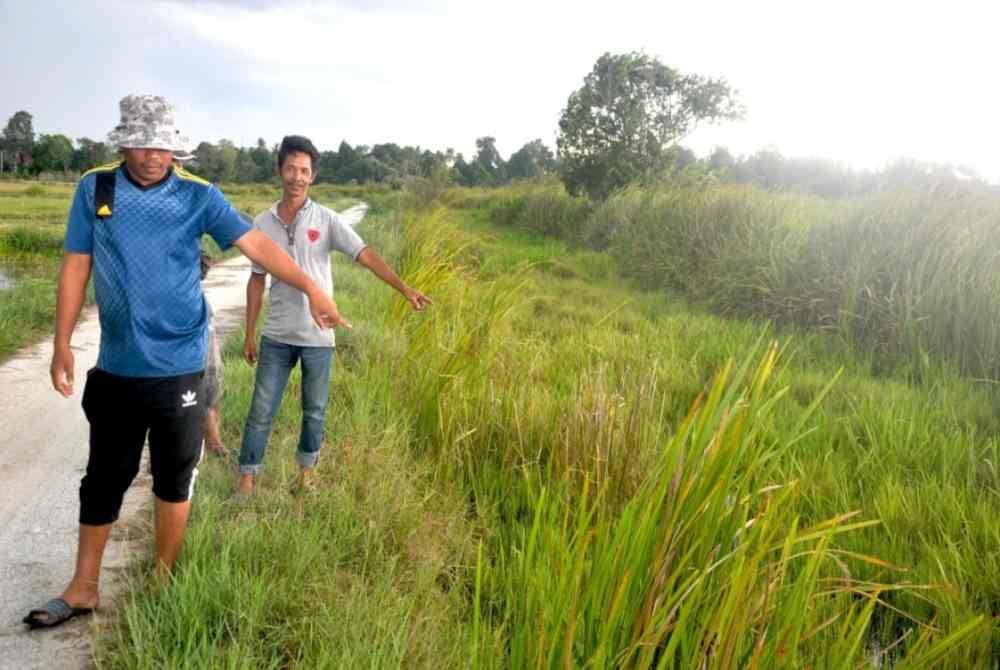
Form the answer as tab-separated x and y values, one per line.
147	123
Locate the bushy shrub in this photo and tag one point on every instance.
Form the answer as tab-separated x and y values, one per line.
545	208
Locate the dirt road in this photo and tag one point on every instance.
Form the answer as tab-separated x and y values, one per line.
43	452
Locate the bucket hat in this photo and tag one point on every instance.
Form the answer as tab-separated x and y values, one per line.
147	122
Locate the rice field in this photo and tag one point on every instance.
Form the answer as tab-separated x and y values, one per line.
564	464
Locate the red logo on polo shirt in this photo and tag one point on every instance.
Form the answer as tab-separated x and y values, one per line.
313	235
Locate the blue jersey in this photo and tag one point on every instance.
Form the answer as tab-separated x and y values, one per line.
146	268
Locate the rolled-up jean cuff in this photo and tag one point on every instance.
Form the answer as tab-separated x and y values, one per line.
307	459
250	469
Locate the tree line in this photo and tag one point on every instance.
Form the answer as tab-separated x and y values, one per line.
22	154
387	163
622	126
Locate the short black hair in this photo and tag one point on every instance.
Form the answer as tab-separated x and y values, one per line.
293	143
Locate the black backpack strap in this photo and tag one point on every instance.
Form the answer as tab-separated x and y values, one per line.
104	194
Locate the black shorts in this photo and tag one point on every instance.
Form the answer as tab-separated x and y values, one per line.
121	411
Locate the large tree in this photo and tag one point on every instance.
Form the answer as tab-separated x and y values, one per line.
631	108
264	159
51	153
721	160
532	160
462	172
488	167
437	164
90	153
245	170
217	163
18	139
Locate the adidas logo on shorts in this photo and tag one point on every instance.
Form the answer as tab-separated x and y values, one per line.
189	398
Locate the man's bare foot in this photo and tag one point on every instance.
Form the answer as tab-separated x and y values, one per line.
82	594
245	484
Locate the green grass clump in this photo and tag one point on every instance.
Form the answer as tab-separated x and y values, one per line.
29	259
27	311
43	240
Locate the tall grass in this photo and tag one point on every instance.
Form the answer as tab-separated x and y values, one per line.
29	259
707	565
620	537
907	275
548	468
544	209
36	239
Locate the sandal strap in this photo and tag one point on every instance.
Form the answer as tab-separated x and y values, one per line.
57	609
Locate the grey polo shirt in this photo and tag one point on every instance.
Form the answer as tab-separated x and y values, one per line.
316	231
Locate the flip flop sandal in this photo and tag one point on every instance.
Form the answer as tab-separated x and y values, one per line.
59	612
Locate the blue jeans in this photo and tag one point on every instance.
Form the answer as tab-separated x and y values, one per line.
274	363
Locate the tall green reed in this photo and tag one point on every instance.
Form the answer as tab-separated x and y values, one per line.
908	275
604	547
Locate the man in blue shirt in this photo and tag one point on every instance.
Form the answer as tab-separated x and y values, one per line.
137	225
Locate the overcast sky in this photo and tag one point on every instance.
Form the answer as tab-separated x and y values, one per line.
861	82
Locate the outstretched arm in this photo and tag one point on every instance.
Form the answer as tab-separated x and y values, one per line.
261	249
73	277
371	260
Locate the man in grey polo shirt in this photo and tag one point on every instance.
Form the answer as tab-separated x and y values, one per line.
308	232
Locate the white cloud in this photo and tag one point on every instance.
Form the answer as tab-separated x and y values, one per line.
858	81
